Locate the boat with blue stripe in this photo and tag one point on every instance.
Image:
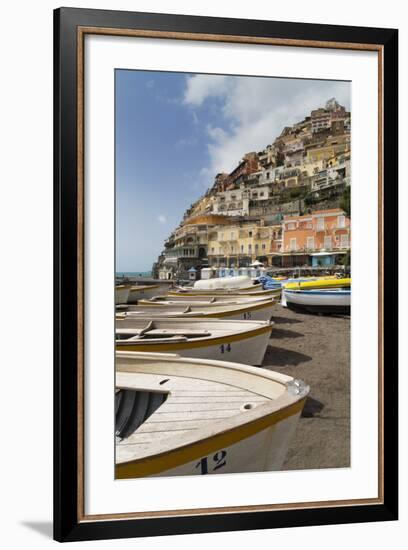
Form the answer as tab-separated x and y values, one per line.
333	300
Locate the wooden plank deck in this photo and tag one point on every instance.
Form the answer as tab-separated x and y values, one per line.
191	404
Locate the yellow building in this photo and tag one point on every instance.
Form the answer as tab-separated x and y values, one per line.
242	244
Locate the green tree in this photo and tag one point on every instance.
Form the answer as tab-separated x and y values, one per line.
345	201
295	193
346	259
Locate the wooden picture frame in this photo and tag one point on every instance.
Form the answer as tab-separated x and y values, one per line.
70	27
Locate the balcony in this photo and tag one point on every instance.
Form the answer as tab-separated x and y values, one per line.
337	247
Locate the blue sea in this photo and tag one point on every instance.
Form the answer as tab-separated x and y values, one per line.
133	274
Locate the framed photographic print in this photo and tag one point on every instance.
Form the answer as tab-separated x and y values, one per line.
213	369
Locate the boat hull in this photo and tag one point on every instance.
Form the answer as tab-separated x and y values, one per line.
121	295
316	284
255	312
137	294
207	301
314	301
246	348
230	283
264	450
257	292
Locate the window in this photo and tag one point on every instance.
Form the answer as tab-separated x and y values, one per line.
344	241
261	194
212	250
242	248
267	175
310	243
327	242
291	226
250	248
256	247
293	245
263	246
341	222
250	233
232	236
320	224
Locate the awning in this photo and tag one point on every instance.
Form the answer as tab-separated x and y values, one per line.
328	253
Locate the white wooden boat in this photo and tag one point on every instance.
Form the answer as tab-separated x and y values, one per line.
177	416
122	294
257	311
318	283
139	292
334	300
201	300
238	341
218	283
254	291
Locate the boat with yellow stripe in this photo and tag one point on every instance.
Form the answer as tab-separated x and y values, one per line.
178	416
258	311
238	341
318	283
254	291
139	292
202	300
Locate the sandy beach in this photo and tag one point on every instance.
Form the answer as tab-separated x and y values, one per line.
316	348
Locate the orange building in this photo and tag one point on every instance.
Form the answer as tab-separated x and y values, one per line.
319	238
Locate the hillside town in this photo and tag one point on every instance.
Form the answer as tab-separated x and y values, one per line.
287	206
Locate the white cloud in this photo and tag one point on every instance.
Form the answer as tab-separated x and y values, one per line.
199	87
254	110
161	219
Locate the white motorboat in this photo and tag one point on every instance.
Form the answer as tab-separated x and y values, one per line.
333	300
178	416
238	341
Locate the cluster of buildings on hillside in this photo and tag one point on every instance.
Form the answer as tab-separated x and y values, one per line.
279	206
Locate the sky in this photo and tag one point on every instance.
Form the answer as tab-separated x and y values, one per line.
175	131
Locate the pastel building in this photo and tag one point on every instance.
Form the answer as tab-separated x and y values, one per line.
241	244
316	239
